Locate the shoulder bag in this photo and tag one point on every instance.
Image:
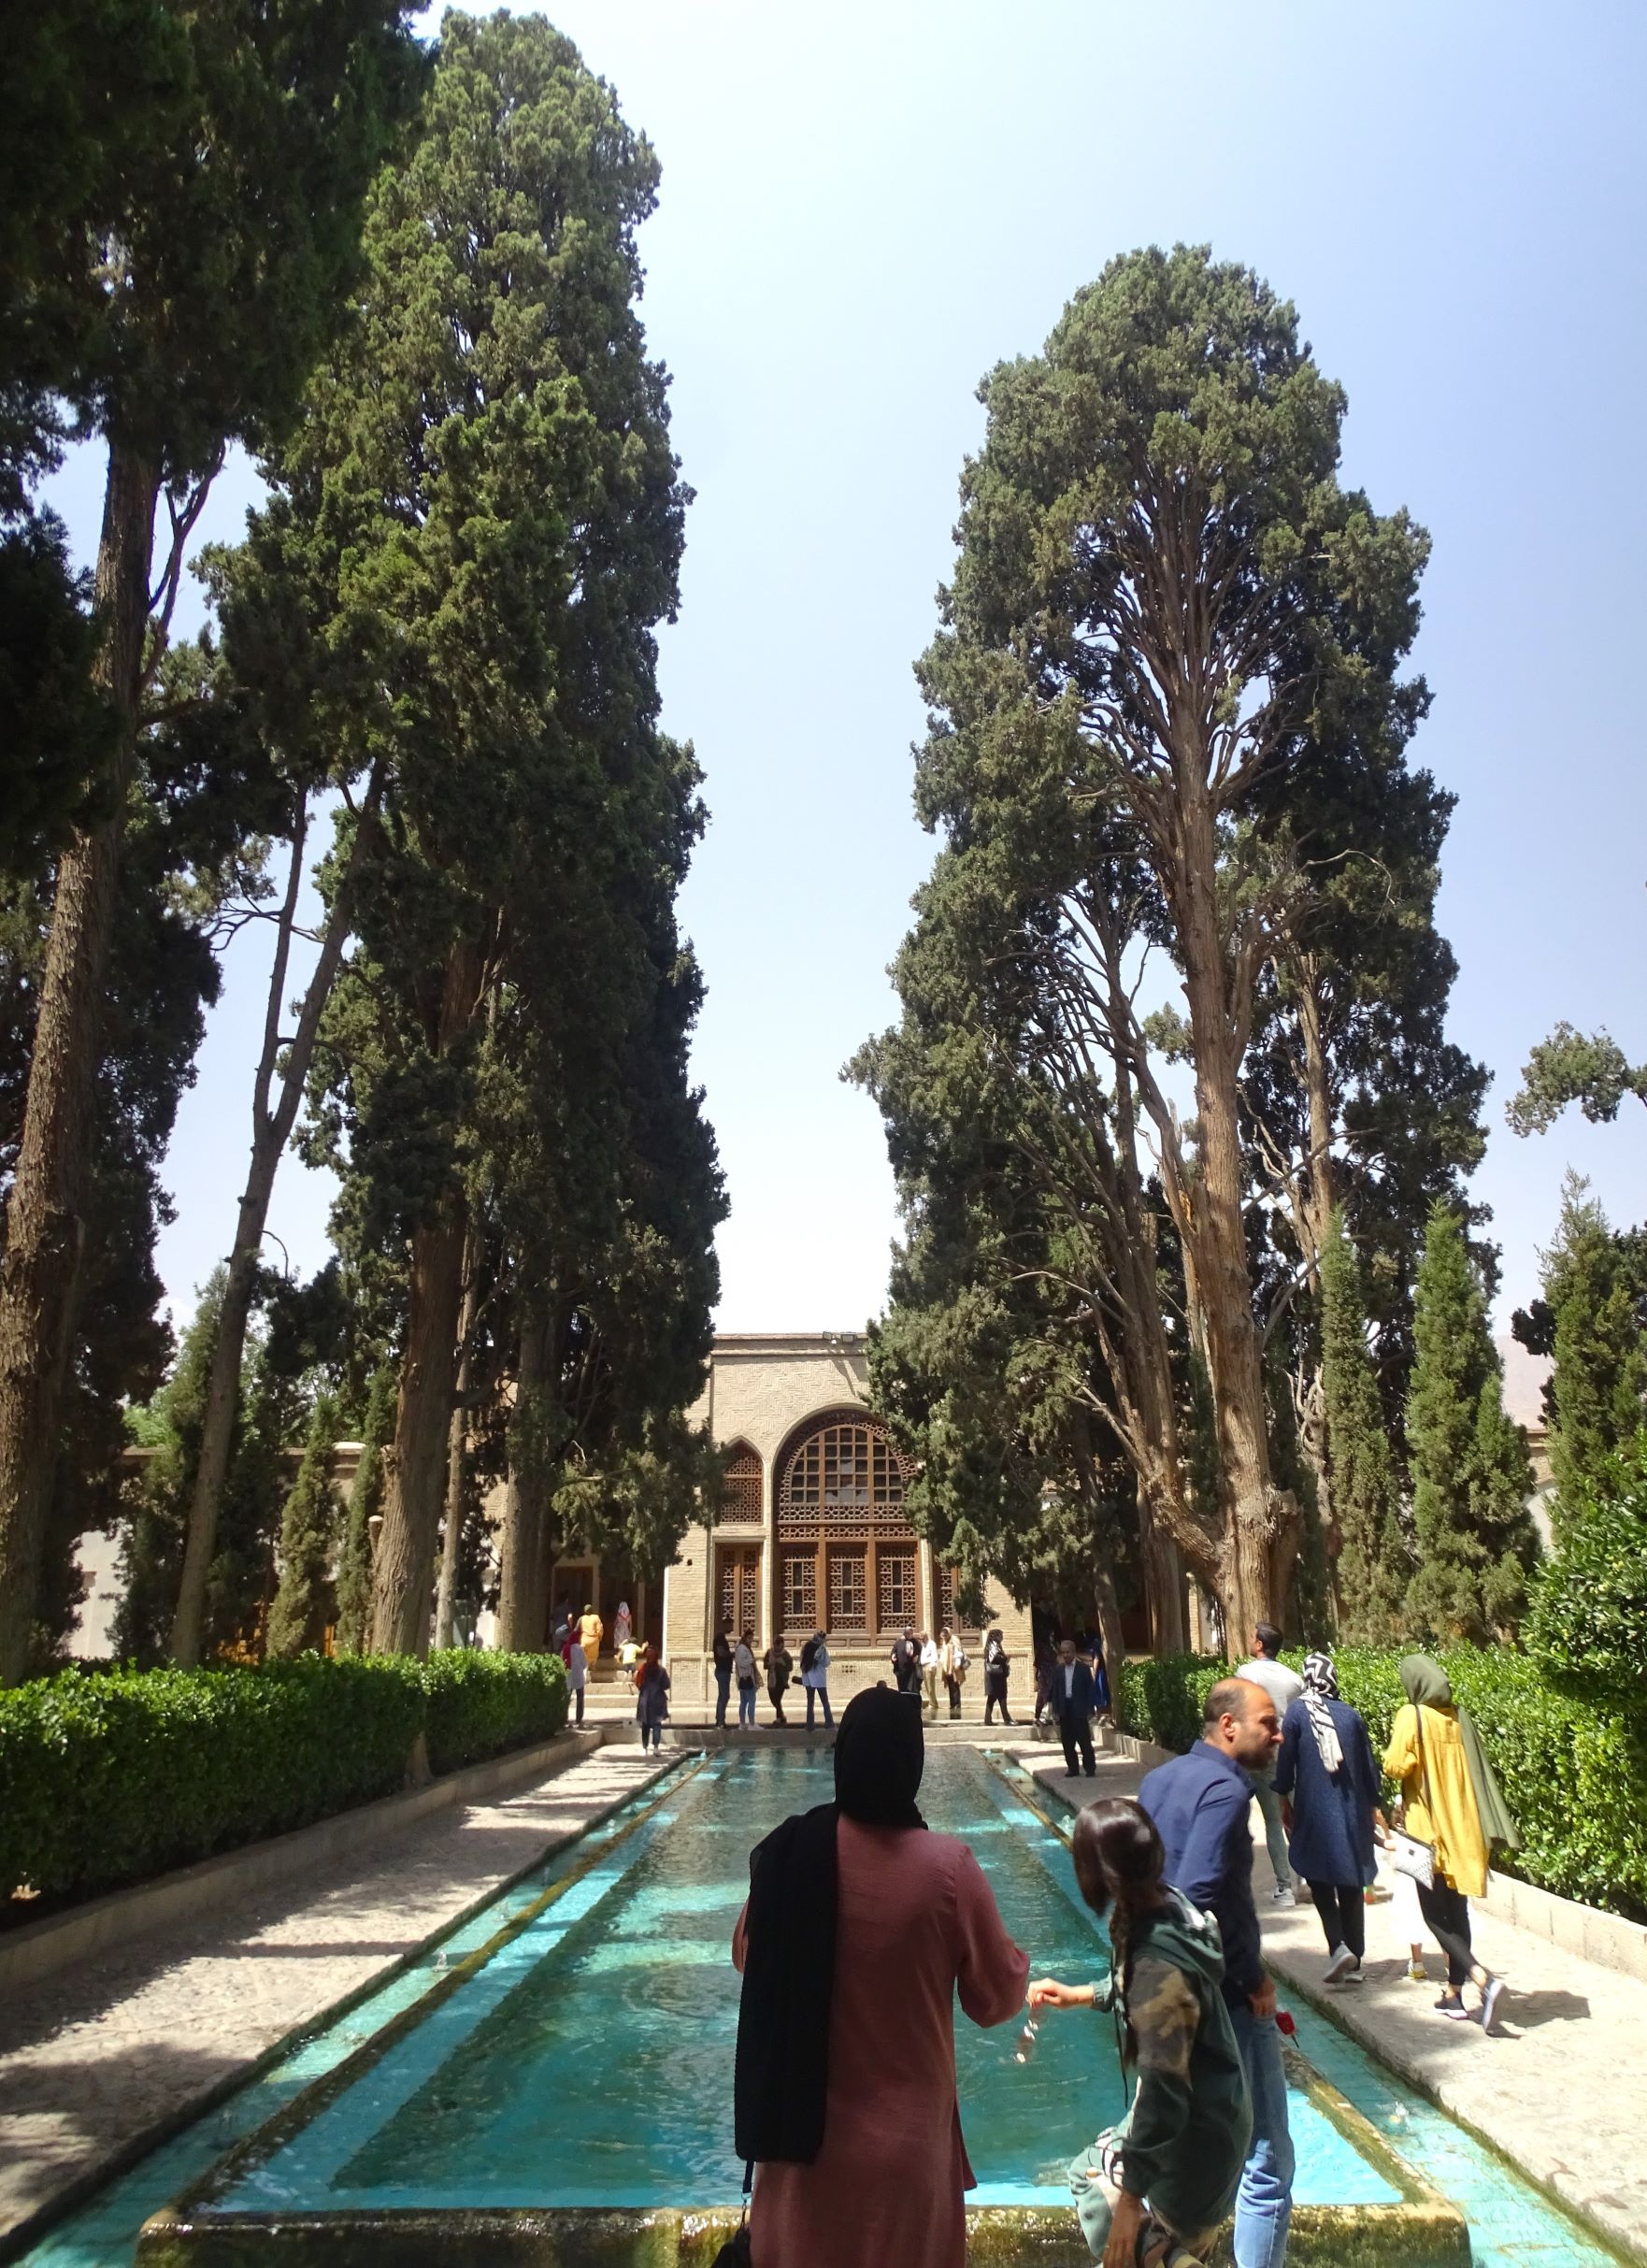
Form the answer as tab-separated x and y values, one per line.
734	2252
1414	1858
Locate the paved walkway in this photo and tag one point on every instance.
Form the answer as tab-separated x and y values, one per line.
94	2060
1560	2088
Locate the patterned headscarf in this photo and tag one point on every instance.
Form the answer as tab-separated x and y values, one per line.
1321	1686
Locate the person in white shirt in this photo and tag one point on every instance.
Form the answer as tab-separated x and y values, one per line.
1283	1687
928	1676
815	1675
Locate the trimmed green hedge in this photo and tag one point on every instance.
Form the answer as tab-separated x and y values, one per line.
107	1780
1573	1774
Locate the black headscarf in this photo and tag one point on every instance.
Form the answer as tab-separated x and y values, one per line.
781	2079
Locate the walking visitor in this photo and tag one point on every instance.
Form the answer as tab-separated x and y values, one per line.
722	1653
576	1676
1328	1787
1158	2186
778	1664
622	1628
652	1706
953	1666
929	1660
743	1669
815	1675
1202	1805
1452	1814
998	1669
1073	1701
905	1661
1283	1687
859	1930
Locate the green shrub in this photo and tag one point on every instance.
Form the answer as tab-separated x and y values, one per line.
109	1779
481	1703
1574	1774
1588	1626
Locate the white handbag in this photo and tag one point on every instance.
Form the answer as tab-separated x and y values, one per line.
1414	1858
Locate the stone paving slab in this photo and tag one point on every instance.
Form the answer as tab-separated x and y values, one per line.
98	2059
1560	2089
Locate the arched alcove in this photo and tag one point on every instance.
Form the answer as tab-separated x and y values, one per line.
848	1562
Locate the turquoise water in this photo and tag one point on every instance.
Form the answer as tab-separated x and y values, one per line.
549	2076
589	2061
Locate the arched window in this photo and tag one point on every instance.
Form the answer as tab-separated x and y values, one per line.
847	1561
741	1485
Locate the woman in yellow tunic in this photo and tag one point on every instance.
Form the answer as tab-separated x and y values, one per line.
1450	1800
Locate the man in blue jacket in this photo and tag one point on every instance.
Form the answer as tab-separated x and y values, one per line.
1201	1804
1074	1698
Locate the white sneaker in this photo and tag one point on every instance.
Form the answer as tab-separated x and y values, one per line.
1342	1961
1284	1894
1490	1999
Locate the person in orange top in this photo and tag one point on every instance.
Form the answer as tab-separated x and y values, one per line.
1451	1801
590	1630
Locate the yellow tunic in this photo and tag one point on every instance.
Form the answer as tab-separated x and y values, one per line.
1450	1820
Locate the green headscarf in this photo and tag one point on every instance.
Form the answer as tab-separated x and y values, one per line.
1428	1687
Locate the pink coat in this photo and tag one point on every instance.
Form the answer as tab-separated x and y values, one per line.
916	1919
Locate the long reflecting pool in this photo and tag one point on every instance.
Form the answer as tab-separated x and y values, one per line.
572	2047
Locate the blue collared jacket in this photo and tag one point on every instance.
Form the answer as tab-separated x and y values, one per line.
1201	1802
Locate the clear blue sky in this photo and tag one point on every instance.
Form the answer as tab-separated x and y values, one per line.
863	209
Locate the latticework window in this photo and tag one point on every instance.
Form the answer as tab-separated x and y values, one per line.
741	1485
897	1571
849	1593
741	1588
947	1615
846	1477
799	1606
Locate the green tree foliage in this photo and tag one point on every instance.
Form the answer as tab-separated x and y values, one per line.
1593	1321
190	184
1167	618
365	1502
1473	1536
1587	1629
1574	1067
1372	1564
304	1601
480	520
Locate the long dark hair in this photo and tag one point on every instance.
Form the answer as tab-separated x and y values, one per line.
1117	1856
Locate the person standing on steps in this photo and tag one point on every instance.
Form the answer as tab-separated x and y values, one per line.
577	1674
1449	1802
722	1672
998	1669
1154	2191
590	1630
905	1661
929	1658
778	1664
1202	1804
815	1676
1283	1687
952	1663
1330	1792
1073	1699
743	1669
622	1628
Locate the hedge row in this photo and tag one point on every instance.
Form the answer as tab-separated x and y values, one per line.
1573	1774
107	1780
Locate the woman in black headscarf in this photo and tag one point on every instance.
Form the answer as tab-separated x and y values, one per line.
858	1929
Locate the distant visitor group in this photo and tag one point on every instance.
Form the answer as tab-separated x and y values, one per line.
862	1928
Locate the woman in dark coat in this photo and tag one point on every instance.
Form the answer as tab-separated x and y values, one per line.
1329	1789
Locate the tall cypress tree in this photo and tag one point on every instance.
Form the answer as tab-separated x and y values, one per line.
304	1605
1471	1476
1372	1564
1593	1320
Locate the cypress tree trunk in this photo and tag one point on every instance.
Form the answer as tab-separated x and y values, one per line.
1218	1231
271	1130
45	1228
456	1440
415	1465
521	1603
